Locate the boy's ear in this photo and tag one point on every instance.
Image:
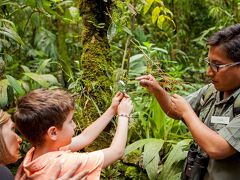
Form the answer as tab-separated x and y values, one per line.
52	133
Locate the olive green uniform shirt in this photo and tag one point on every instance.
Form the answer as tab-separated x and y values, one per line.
211	112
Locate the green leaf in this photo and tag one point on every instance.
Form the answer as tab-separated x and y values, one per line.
161	50
151	157
132	147
127	30
155	14
49	78
43	66
137	65
111	31
160	21
38	78
176	154
15	85
25	68
147	6
167	11
3	92
10	33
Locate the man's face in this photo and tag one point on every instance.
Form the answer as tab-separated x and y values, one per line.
226	79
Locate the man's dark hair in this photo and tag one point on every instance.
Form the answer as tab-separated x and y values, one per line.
229	40
39	110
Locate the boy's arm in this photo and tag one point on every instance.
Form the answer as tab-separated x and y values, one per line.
92	131
116	150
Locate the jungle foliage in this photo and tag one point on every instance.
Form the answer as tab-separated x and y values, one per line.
94	48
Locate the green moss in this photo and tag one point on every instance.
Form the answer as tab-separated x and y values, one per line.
96	64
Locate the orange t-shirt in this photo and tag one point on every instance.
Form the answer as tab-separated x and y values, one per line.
41	167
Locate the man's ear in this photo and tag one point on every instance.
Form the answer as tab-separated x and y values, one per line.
52	133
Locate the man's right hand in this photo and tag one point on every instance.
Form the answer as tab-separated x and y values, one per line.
149	82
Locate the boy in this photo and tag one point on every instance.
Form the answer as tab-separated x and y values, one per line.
44	117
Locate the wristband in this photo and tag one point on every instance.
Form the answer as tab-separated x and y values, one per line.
123	115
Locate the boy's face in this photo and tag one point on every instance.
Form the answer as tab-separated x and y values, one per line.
67	132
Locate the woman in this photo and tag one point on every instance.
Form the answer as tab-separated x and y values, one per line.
9	152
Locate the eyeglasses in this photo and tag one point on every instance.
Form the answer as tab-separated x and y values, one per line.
217	67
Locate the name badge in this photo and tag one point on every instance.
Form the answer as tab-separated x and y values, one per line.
220	119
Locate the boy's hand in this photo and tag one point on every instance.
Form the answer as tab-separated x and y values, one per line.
125	107
149	82
116	100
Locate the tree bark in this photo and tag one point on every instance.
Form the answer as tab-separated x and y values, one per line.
95	60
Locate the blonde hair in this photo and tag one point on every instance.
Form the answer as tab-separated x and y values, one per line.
5	156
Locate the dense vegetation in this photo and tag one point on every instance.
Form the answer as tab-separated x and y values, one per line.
94	48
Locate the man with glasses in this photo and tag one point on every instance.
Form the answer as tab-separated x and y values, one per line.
212	113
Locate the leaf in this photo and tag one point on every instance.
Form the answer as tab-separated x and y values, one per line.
137	65
127	30
49	78
38	78
3	92
111	31
155	14
176	154
151	157
160	21
25	68
147	6
15	85
43	66
132	147
167	11
10	33
161	50
132	9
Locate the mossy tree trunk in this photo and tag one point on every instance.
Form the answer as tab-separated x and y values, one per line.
63	53
95	61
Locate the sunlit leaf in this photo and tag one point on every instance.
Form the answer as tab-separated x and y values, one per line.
147	6
160	21
155	14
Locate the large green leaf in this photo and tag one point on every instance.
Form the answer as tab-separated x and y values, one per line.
130	148
151	157
177	154
15	85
